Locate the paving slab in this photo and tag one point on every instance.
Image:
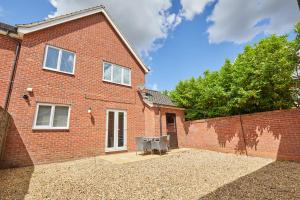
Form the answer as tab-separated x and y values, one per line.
128	157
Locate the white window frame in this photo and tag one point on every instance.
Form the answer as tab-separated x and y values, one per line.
35	127
116	147
60	50
111	74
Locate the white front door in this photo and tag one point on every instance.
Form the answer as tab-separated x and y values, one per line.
116	130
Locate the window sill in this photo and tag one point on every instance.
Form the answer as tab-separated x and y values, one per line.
118	84
59	72
108	150
50	129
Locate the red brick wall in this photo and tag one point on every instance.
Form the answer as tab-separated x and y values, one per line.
152	121
94	41
7	55
270	134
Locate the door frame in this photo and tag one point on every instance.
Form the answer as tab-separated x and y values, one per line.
175	126
116	123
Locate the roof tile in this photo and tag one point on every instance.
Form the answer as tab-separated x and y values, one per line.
7	27
157	97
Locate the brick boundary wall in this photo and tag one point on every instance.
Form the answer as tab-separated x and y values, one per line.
4	122
274	134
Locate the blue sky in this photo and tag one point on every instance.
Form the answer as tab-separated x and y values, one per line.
196	35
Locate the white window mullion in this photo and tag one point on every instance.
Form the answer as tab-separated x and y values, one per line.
125	129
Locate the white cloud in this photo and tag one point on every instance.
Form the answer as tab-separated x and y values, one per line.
143	22
53	3
154	87
240	21
190	8
146	23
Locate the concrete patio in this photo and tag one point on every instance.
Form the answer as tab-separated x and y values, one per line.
121	158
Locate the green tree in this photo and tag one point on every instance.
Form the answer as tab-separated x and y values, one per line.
296	75
258	80
165	92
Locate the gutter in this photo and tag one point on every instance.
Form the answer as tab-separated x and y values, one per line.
10	34
169	107
14	37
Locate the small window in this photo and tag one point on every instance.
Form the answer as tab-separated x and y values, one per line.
107	71
116	74
127	77
50	116
59	60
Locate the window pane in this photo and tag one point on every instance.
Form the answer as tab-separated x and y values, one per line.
43	117
61	116
117	74
107	71
67	62
121	130
51	58
127	77
111	129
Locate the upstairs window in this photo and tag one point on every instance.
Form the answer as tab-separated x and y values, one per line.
51	116
116	74
60	60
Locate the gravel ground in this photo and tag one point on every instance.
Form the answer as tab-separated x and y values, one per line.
187	175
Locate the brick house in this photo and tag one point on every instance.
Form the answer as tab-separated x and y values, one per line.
72	85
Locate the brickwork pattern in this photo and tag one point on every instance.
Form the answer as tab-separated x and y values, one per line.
269	134
7	56
94	41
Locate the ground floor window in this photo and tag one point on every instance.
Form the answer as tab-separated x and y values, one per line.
51	116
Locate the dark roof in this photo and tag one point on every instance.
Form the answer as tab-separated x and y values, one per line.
157	97
7	27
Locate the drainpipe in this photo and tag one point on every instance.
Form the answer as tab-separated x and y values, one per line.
13	73
9	89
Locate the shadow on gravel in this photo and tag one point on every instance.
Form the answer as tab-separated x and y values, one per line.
278	180
14	182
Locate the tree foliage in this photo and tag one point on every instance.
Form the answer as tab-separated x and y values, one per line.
260	79
296	75
165	92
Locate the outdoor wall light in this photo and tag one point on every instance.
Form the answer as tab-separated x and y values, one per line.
25	97
90	110
29	89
